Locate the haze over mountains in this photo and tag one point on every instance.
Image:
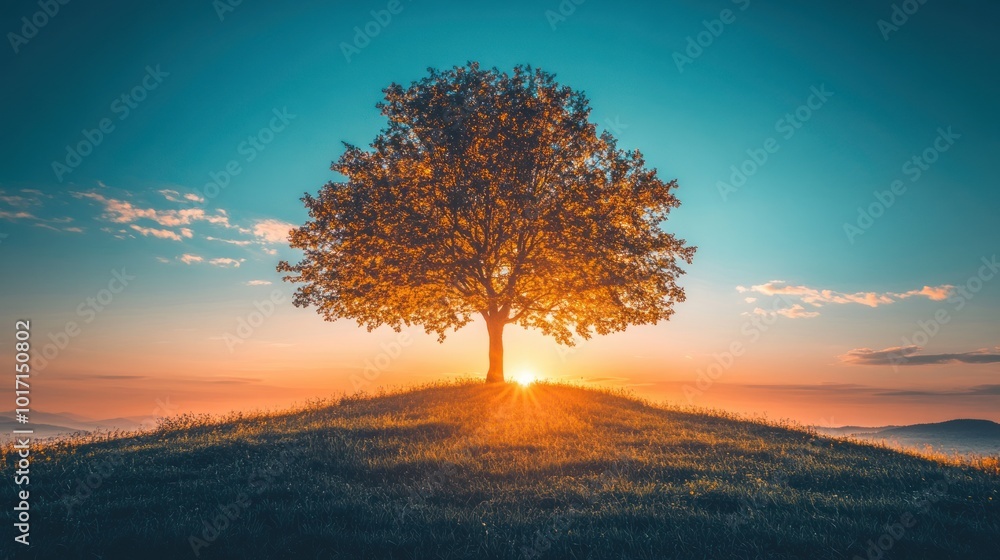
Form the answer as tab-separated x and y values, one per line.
49	424
962	436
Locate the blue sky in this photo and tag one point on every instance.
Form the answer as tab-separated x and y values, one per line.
219	80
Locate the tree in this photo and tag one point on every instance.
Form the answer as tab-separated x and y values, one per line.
490	194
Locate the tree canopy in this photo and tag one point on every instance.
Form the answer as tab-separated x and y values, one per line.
490	194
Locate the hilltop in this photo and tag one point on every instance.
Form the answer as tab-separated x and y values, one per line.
498	471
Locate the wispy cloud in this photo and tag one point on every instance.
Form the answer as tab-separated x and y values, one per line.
226	262
163	233
176	196
19	215
124	212
974	391
171	195
819	297
272	231
18	201
910	356
796	311
17	205
188	258
239	242
258	283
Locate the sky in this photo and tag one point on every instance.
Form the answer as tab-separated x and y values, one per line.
835	162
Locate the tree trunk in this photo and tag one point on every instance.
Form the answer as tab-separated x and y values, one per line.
495	373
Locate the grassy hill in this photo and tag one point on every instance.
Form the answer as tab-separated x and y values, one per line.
475	471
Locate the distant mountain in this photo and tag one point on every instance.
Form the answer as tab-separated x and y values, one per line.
77	417
962	436
850	430
47	424
7	425
72	422
966	428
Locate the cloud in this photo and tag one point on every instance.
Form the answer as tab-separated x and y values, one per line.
188	258
852	391
750	299
226	262
824	387
27	197
175	196
818	297
273	231
162	233
21	215
74	229
797	312
910	356
20	201
974	391
241	243
794	312
934	293
233	380
171	195
17	209
258	283
124	212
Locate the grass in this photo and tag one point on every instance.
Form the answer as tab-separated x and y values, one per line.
474	471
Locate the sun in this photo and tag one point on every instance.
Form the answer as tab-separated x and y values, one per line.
525	378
